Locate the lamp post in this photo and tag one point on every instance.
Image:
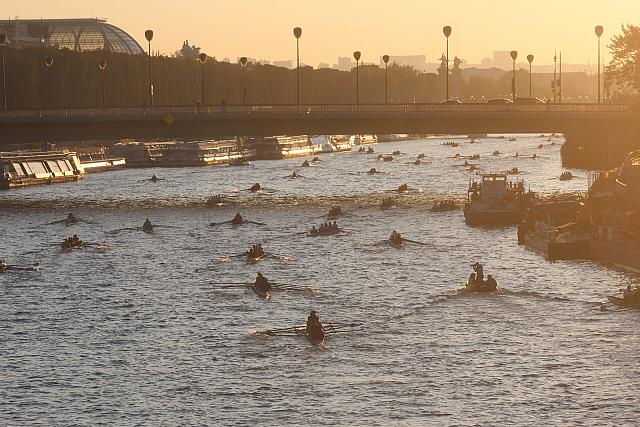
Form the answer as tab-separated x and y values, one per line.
3	43
446	30
297	32
357	56
530	59
599	31
385	58
243	62
149	36
202	58
514	55
102	65
48	62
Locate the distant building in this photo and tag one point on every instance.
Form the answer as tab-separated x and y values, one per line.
78	35
284	64
502	59
419	62
324	65
345	63
487	62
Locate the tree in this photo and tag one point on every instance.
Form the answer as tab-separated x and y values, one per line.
624	67
188	52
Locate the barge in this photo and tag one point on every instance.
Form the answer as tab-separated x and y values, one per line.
282	147
495	201
98	161
331	143
363	139
203	153
21	169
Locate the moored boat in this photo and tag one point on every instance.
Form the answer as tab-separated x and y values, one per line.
18	169
621	301
363	139
282	147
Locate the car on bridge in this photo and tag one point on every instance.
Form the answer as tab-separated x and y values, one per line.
528	101
499	101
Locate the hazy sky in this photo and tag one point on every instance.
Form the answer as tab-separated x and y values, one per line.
263	28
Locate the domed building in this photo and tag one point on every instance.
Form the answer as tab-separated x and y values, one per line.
79	35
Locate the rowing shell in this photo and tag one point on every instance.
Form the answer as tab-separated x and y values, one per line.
317	340
253	260
479	289
620	301
265	295
325	233
397	245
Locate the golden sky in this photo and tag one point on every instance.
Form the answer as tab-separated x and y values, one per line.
263	28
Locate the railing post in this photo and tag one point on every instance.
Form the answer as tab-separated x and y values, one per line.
66	113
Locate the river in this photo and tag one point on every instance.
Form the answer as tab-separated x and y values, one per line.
137	332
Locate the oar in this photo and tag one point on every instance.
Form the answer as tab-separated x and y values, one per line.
414	242
253	222
280	257
215	224
310	290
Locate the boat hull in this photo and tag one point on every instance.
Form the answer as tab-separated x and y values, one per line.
620	301
265	295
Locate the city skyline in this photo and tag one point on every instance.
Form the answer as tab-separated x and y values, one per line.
403	28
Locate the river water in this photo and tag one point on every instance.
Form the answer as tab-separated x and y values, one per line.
138	332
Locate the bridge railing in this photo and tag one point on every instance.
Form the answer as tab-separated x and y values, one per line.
163	111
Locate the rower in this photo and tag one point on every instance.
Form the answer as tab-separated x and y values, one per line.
477	267
491	283
255	188
306	164
3	265
237	220
262	284
71	219
147	226
396	238
294	174
314	327
373	171
154	178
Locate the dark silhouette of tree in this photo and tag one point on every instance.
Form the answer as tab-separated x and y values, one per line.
188	52
624	67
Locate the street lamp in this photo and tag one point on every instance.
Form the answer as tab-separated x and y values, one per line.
530	59
446	30
385	58
357	56
202	58
48	62
297	32
102	65
149	36
514	55
3	43
243	62
599	31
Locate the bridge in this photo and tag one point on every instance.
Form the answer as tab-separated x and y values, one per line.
180	122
